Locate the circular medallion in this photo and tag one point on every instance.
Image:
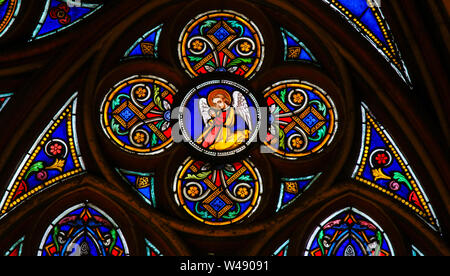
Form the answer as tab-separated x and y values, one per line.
302	120
221	41
219	118
136	114
218	194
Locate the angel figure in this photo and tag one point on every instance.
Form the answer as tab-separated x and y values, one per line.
219	113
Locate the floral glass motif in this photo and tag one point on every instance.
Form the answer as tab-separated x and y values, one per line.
143	183
349	232
295	50
83	230
136	114
16	248
54	157
368	19
146	46
221	41
9	9
292	188
303	119
218	194
4	98
61	14
382	166
222	119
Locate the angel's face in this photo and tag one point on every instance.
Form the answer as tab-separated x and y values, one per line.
219	103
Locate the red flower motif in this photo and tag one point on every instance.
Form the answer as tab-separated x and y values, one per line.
55	149
61	13
381	158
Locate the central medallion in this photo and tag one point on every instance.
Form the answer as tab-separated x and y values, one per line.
219	118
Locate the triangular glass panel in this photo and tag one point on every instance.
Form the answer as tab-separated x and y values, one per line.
146	45
368	19
143	183
293	188
61	14
54	156
295	50
383	166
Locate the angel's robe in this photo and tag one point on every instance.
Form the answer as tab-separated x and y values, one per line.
219	133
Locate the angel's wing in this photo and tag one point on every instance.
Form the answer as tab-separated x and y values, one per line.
204	110
242	109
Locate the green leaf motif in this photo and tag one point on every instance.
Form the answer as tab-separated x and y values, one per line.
207	24
233	214
194	58
238	61
34	168
320	134
240	178
116	102
321	107
199	176
282	141
202	214
283	95
2	2
399	177
235	24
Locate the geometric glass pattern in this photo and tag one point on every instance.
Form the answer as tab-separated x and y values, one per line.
368	19
382	165
61	14
302	119
143	183
136	114
221	41
16	248
292	189
282	250
146	46
151	249
295	50
4	98
349	232
83	230
9	9
218	194
54	157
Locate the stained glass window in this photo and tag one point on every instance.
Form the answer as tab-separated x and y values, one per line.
9	9
221	41
367	17
58	15
416	252
83	230
382	165
136	114
218	194
55	156
147	45
349	232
